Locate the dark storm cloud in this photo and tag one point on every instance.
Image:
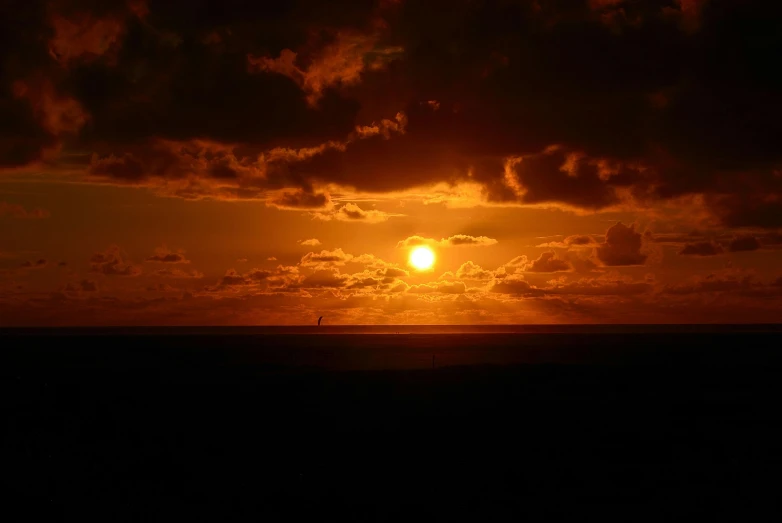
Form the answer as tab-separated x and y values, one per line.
39	42
583	104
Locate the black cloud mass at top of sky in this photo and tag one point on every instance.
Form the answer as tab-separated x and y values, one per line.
584	104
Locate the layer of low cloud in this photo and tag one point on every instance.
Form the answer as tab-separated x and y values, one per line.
457	240
113	262
571	242
178	273
706	248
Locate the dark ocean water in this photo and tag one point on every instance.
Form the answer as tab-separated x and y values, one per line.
357	424
337	348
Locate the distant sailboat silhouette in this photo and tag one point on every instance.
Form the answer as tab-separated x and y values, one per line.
319	320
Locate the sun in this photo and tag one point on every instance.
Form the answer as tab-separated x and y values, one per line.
422	258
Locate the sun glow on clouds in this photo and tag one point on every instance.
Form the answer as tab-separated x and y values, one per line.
422	258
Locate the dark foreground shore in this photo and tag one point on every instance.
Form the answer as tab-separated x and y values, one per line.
639	426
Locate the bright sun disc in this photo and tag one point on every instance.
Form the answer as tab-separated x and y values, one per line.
422	258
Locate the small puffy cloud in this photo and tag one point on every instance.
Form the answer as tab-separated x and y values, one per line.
84	285
278	277
259	275
312	242
232	278
513	284
457	240
325	258
465	240
244	260
113	262
518	262
165	255
389	275
14	210
323	279
575	241
350	212
414	241
393	272
579	240
548	262
474	272
706	248
362	281
622	246
743	243
270	258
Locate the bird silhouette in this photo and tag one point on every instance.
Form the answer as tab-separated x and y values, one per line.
319	320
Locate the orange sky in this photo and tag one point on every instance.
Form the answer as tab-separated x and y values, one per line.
600	162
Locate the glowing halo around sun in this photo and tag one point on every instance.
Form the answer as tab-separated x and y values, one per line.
422	258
